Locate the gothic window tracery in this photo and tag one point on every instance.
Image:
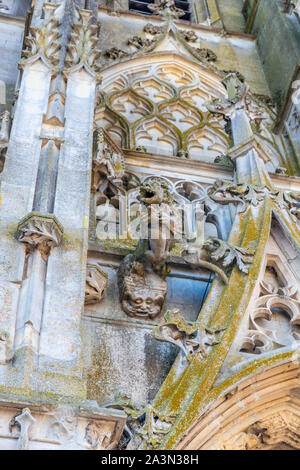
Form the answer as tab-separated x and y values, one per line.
163	108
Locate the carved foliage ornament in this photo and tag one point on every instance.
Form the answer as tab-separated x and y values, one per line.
226	192
44	41
96	284
147	422
40	231
166	9
247	195
239	97
206	54
83	41
190	337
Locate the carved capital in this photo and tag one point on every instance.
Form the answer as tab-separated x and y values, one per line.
40	231
96	284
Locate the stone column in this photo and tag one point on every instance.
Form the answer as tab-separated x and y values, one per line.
18	182
60	342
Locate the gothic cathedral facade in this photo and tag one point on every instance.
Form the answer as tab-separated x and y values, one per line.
150	224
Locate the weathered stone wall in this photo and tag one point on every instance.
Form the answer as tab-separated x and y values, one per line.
11	38
278	43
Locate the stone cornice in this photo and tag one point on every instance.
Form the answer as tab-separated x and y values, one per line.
178	167
184	24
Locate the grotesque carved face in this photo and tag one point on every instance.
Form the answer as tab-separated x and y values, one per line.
143	295
143	303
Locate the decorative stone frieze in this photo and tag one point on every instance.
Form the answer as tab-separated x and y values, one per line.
40	231
96	284
190	337
63	426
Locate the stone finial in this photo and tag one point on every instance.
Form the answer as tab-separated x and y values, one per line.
40	231
82	50
167	9
96	284
44	42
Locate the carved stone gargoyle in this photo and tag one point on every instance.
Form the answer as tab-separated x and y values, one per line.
190	337
142	291
162	221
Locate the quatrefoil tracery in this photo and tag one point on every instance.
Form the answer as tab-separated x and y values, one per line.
166	103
